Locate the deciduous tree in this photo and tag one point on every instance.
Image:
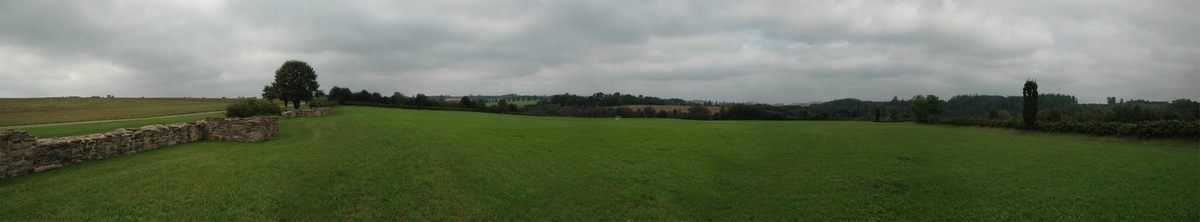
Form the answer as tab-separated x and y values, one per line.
421	100
466	103
926	108
296	81
399	98
341	94
269	93
481	104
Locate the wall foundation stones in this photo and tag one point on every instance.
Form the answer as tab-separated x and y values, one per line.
313	112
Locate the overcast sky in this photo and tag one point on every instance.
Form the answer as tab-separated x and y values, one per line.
768	51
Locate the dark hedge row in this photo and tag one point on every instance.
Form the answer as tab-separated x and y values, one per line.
353	103
252	107
1144	129
322	102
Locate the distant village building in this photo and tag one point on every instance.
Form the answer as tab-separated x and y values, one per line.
454	100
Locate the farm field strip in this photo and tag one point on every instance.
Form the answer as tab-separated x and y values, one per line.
364	163
25	111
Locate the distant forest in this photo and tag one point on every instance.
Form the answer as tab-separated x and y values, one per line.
1057	112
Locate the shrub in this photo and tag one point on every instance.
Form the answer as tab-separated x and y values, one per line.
252	107
322	102
1144	129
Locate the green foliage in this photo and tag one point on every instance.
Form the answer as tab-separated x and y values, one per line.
616	99
520	103
649	112
466	103
252	107
1145	129
980	105
319	94
362	96
399	98
878	113
926	108
341	94
1055	115
895	113
378	98
270	92
699	112
322	102
481	104
502	105
420	100
752	112
1003	114
295	81
1030	103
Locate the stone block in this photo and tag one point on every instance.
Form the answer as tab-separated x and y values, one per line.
47	167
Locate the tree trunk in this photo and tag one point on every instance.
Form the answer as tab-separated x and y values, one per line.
296	104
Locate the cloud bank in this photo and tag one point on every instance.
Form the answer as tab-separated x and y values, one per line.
762	51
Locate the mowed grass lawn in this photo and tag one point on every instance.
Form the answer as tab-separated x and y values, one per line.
24	111
392	164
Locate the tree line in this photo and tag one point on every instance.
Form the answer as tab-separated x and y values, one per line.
295	82
1032	110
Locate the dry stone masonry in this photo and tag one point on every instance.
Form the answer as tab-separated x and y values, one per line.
21	153
313	112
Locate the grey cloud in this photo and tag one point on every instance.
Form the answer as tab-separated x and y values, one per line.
769	51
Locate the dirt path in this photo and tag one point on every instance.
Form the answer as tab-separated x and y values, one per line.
102	121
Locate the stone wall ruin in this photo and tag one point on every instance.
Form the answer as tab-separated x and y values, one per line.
312	112
21	153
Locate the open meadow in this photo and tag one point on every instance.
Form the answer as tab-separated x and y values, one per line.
367	163
25	111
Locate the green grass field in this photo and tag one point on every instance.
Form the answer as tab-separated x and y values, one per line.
25	111
364	163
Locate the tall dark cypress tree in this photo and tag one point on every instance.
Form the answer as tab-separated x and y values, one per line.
877	114
1030	97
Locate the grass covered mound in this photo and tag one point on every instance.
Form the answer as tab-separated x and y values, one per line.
393	164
